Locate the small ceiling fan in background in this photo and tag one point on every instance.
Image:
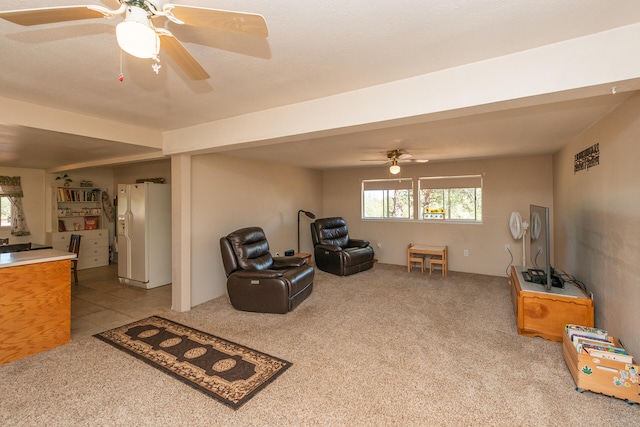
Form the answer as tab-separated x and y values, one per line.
396	158
138	36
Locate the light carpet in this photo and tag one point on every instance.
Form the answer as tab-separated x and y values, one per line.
380	348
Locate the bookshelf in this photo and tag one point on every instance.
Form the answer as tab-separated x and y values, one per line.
78	210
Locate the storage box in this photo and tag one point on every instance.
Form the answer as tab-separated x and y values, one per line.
610	377
90	223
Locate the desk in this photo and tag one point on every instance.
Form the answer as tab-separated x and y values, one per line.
429	250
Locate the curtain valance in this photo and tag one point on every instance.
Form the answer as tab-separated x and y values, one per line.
10	186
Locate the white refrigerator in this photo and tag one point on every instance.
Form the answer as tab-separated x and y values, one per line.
144	234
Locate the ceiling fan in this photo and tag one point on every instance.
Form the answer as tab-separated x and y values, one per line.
397	157
138	36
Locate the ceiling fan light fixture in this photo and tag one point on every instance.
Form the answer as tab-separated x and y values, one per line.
394	168
136	36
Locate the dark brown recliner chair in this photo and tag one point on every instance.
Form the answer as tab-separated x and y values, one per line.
335	252
258	282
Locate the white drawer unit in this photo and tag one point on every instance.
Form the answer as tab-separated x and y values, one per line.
94	246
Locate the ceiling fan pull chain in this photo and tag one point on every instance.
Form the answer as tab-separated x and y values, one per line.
156	65
121	76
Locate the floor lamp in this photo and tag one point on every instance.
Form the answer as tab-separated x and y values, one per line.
308	214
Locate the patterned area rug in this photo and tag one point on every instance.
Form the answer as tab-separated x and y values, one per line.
226	371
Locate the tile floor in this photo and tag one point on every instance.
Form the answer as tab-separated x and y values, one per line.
101	302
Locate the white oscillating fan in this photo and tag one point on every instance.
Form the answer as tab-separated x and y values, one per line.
519	231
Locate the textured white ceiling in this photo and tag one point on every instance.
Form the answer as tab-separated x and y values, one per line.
314	49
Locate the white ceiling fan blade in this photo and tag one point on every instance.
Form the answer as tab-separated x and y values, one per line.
414	161
50	15
235	22
181	55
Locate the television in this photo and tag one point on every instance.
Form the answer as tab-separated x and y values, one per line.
540	248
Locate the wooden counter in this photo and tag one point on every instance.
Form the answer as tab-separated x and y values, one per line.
35	302
542	313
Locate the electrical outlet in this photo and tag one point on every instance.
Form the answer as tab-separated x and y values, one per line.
506	247
379	245
466	252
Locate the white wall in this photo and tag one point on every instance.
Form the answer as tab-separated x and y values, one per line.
33	202
230	193
597	219
509	184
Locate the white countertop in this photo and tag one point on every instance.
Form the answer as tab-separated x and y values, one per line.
14	259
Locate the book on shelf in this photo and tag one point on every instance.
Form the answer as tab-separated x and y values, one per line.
618	357
578	338
604	348
586	331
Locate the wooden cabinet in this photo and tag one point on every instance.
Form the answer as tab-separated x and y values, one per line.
36	303
542	313
94	246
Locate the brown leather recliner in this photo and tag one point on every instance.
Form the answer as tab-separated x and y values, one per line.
258	282
335	252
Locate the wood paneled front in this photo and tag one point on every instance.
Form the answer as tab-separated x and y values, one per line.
35	304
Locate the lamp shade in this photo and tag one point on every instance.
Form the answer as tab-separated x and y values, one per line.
394	168
136	36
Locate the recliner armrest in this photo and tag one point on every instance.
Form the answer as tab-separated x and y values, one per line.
357	243
331	248
287	262
258	274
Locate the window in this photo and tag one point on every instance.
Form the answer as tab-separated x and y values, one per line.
5	212
451	198
387	198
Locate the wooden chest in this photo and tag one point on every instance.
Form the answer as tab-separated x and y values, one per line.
541	313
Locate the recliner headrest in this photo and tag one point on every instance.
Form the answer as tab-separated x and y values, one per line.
332	231
251	248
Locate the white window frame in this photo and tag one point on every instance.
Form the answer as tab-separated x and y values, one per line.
385	186
448	183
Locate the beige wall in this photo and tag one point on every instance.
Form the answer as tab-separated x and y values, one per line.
230	193
128	174
33	187
508	184
597	219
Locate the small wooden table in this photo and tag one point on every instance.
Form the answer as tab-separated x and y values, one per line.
429	250
305	256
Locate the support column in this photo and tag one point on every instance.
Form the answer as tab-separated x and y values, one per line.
181	232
